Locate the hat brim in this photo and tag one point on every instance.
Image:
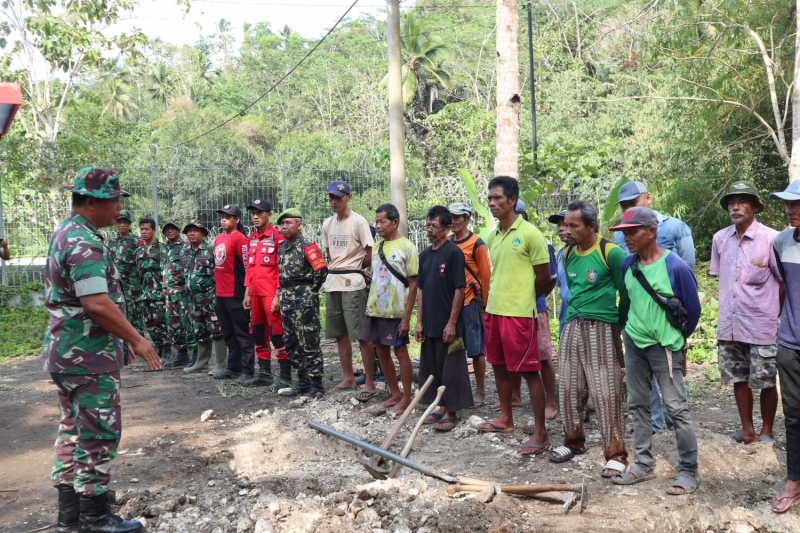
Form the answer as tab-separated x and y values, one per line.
555	219
105	196
337	192
725	200
165	226
259	208
619	227
460	212
125	218
231	213
629	198
288	216
187	226
784	196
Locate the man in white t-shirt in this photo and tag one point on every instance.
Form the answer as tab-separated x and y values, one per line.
348	242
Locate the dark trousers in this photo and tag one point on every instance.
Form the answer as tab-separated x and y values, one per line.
234	320
449	370
789	375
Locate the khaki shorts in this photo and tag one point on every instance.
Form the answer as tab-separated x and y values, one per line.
752	363
344	313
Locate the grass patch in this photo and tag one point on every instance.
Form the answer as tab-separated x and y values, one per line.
22	332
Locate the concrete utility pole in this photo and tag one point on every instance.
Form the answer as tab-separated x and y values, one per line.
396	135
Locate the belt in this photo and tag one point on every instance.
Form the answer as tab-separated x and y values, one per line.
289	283
346	272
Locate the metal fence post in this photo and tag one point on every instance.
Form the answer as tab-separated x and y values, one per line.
3	272
155	191
283	186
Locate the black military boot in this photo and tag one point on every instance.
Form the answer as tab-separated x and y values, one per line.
302	387
164	353
180	360
96	517
263	377
284	378
316	390
69	509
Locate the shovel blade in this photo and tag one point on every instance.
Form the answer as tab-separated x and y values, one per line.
375	470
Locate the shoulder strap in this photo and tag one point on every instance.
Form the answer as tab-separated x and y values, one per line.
568	252
389	266
646	285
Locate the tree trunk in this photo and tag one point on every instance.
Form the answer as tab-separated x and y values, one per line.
506	161
794	162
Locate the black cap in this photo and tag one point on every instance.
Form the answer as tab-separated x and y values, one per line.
230	209
261	205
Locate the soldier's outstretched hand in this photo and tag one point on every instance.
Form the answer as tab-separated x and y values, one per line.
142	348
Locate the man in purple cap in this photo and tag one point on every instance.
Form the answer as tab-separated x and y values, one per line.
348	242
787	253
673	235
656	279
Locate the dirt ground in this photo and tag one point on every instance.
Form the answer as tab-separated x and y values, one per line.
257	467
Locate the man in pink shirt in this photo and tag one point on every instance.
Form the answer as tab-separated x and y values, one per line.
750	296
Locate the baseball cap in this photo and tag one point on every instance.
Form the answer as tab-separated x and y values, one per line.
792	192
555	219
197	223
631	190
460	208
169	222
125	215
339	188
292	212
637	216
741	187
230	209
97	183
261	205
519	207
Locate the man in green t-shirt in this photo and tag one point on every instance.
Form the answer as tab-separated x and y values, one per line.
654	347
590	352
392	294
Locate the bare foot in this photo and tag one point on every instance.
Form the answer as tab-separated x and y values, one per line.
391	402
400	407
514	403
550	412
479	398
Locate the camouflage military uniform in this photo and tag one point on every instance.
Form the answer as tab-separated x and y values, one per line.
199	267
123	250
151	278
299	297
82	358
176	294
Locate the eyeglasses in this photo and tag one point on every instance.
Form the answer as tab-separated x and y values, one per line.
434	227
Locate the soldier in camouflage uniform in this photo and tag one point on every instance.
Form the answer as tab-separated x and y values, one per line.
198	264
123	251
151	280
83	353
302	271
175	293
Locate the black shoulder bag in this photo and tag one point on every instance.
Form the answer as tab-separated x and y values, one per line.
673	307
389	266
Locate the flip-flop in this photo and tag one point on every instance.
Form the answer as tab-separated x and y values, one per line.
477	405
738	437
370	394
446	424
493	428
766	438
338	388
436	418
792	501
536	448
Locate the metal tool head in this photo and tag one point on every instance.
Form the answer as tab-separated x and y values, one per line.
583	495
372	466
569	498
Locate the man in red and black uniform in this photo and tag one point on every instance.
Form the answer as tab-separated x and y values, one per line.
261	287
230	258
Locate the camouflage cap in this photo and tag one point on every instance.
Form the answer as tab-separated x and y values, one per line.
742	187
97	183
125	215
292	212
197	223
170	222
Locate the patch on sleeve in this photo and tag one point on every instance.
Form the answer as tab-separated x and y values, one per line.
315	257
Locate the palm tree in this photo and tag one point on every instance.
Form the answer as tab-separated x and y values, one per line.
423	53
160	83
506	162
120	102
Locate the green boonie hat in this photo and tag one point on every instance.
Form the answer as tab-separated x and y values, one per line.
126	215
170	222
97	183
742	187
197	223
290	213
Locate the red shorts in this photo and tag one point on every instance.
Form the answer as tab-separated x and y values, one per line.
511	342
260	313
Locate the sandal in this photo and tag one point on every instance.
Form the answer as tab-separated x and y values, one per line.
562	454
342	388
739	438
492	427
635	475
446	424
685	480
765	438
370	394
613	465
433	418
782	509
533	449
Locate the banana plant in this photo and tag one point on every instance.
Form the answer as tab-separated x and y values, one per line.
482	229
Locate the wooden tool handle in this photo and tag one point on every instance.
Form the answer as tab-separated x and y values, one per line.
407	413
415	432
